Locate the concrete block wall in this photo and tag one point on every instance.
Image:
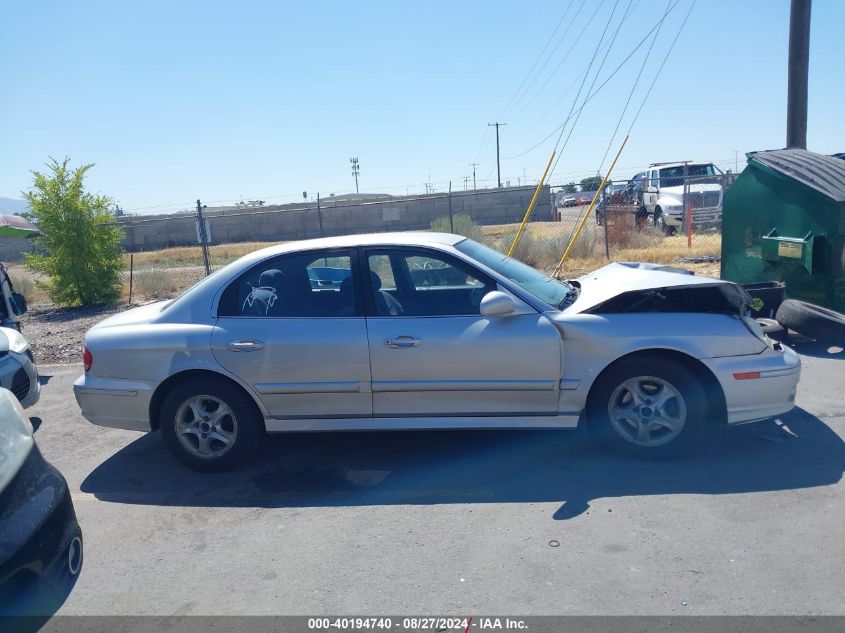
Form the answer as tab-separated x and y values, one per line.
339	217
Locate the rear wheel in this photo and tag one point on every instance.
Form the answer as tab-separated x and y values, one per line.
209	424
660	223
648	407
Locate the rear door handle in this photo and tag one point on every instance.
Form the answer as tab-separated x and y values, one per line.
402	342
245	346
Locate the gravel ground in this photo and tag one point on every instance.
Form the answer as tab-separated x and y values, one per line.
55	334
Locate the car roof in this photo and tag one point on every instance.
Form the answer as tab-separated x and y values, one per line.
404	238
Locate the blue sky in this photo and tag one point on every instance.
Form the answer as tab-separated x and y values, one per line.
226	101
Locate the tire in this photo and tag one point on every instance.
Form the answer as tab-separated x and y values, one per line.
660	223
812	321
673	428
188	436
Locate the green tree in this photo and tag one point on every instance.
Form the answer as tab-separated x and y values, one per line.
570	187
590	183
83	256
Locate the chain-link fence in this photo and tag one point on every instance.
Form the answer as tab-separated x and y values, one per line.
669	218
668	215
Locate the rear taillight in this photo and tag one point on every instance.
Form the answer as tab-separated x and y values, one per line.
87	359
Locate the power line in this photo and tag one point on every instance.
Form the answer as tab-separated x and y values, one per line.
595	92
662	64
595	77
581	33
634	86
540	56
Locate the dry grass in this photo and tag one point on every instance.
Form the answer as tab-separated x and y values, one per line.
165	272
219	254
543	243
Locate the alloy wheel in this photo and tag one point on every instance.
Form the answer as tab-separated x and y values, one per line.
206	426
647	411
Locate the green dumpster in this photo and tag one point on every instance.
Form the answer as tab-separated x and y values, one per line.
784	220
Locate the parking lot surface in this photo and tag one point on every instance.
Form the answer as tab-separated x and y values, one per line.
462	522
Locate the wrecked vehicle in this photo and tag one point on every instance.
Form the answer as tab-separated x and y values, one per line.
648	358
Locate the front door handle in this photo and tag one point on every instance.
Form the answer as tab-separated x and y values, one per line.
402	342
245	345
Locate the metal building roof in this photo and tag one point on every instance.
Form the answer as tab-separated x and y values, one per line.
825	174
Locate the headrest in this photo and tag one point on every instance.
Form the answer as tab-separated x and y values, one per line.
376	281
271	277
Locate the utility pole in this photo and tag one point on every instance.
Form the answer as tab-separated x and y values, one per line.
474	165
799	62
355	171
203	238
498	165
466	179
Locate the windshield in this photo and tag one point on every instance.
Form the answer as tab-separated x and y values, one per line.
545	288
674	176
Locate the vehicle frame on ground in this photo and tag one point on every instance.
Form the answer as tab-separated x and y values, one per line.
431	330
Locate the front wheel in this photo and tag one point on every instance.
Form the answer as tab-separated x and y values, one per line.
649	407
209	424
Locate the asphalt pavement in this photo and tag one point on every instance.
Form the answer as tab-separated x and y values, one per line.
455	522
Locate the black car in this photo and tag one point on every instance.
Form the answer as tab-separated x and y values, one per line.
40	539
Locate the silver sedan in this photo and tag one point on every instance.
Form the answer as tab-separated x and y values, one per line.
429	330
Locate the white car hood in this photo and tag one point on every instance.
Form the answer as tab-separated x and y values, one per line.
616	279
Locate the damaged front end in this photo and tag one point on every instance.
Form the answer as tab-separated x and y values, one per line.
718	298
651	289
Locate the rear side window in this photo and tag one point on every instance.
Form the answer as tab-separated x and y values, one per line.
317	284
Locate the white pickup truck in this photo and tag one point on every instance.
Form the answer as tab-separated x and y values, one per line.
663	195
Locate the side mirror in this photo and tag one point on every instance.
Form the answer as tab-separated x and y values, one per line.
496	303
18	303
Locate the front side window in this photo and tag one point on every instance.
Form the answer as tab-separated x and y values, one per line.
407	282
306	285
547	289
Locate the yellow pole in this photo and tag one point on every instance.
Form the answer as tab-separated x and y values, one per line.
590	210
530	209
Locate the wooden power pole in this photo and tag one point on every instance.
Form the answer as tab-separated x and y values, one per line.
799	63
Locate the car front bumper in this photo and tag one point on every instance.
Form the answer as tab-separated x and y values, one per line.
115	403
751	397
41	544
19	375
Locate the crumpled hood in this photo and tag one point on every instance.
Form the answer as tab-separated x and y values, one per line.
141	314
616	279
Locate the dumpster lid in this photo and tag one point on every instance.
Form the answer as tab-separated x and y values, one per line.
825	174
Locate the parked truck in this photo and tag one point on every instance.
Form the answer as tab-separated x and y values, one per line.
668	187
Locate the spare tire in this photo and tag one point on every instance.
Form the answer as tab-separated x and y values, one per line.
812	321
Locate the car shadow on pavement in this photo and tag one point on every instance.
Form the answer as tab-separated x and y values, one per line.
435	467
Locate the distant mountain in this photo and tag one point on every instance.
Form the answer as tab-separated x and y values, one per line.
10	206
